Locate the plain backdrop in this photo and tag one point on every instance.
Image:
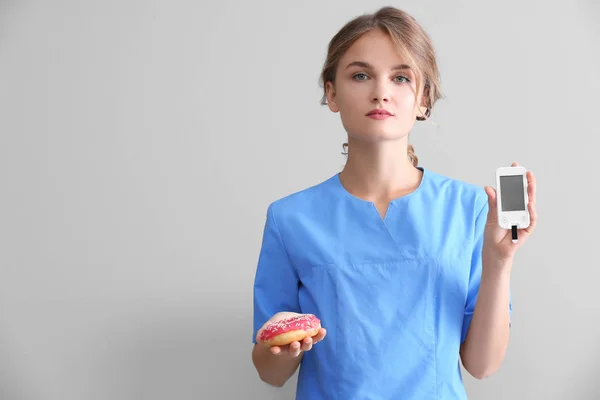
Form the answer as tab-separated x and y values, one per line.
142	141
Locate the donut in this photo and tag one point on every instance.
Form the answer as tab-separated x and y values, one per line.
288	330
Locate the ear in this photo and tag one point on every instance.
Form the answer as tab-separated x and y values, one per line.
330	91
422	109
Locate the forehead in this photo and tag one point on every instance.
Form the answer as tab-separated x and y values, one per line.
374	47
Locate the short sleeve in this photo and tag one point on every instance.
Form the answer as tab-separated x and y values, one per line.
475	272
276	281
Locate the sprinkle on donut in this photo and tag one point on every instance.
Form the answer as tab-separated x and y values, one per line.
304	322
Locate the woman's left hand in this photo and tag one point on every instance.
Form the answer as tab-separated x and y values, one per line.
497	241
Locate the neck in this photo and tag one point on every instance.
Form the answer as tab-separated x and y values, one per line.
379	171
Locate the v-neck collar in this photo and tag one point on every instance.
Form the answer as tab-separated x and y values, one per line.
342	189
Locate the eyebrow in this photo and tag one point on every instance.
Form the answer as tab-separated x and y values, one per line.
364	64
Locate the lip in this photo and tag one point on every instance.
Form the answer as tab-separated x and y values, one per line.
379	112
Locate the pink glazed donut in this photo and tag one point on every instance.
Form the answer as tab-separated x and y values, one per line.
288	330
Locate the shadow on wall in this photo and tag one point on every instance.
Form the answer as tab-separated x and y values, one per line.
584	384
13	390
15	384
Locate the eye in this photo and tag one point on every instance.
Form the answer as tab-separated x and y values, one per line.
402	77
360	74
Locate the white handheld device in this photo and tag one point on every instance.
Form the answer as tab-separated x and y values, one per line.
512	199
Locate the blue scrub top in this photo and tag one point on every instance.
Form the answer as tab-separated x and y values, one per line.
396	295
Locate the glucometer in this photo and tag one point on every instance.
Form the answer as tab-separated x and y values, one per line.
512	199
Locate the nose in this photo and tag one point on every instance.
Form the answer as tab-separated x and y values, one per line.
382	99
381	93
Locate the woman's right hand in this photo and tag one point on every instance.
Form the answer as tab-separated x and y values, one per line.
294	349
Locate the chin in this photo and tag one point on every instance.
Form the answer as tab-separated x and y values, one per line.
375	131
379	135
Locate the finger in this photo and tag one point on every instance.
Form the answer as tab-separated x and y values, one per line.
514	164
319	336
532	218
531	186
491	193
275	350
307	344
294	349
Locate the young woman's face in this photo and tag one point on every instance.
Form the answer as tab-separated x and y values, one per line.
371	76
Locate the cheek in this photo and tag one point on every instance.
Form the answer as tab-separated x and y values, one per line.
352	96
406	99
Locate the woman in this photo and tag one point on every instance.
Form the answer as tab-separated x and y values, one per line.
406	268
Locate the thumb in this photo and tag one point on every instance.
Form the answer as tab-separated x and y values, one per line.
492	213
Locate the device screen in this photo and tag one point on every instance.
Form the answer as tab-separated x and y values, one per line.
513	197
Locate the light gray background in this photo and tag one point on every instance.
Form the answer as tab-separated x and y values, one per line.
141	142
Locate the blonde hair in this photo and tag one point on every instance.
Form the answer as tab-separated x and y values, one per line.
414	46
